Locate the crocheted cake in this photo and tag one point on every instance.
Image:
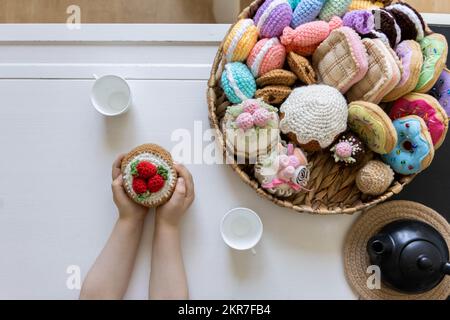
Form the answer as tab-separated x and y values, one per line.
148	175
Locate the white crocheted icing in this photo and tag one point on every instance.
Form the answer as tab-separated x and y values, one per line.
247	23
315	113
268	11
262	53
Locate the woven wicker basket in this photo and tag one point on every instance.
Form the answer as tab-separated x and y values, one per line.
333	188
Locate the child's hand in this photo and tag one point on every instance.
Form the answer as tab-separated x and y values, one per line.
128	209
170	213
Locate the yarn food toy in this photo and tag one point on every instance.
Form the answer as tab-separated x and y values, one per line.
266	55
240	41
334	8
411	23
441	90
367	4
274	95
374	178
238	82
278	77
272	17
349	149
302	68
149	178
306	11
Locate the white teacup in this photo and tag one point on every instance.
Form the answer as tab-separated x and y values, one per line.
241	229
111	95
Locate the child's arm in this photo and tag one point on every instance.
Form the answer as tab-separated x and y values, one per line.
168	277
111	272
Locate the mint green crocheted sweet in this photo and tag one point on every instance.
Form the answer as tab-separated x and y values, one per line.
334	8
238	82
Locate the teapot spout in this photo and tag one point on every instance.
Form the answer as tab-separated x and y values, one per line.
379	245
447	268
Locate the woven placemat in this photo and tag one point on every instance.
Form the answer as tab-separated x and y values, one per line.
356	259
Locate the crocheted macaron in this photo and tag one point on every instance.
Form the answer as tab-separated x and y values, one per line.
387	25
238	82
240	40
334	8
272	17
314	116
148	175
441	90
374	178
266	55
409	20
306	11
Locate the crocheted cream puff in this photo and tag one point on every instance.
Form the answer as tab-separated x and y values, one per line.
148	175
349	149
313	116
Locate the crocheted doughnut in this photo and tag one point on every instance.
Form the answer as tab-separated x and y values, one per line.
374	178
435	50
414	151
148	175
237	82
267	55
334	8
302	68
272	17
240	41
314	116
410	54
278	77
306	11
427	108
411	23
274	94
372	125
441	90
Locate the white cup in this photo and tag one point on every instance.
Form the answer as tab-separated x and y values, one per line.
241	229
111	95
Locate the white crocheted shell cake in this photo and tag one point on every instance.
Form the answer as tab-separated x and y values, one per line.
148	175
314	116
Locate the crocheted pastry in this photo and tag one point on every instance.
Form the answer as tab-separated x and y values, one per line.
373	126
441	90
341	60
284	172
362	21
272	17
411	23
238	82
240	41
414	151
334	8
278	77
374	178
349	149
365	5
302	68
427	108
251	128
305	39
274	94
306	11
435	50
148	175
410	53
267	55
383	74
313	116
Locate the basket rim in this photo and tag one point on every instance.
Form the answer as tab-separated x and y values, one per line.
213	82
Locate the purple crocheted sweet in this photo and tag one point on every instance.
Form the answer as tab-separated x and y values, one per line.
272	17
441	90
362	21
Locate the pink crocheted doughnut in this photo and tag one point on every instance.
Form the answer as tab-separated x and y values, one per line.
267	55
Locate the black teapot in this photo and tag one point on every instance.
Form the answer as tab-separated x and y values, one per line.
413	256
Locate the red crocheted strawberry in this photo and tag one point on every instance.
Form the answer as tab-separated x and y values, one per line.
146	169
139	185
156	183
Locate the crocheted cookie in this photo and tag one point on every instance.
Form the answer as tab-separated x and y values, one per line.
348	149
302	68
314	116
334	8
306	11
284	172
251	128
148	175
267	55
278	77
411	23
237	82
435	50
427	108
341	60
414	151
272	17
372	125
383	74
274	94
240	40
374	178
410	53
305	39
441	90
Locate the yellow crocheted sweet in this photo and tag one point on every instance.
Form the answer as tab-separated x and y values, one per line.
365	5
240	41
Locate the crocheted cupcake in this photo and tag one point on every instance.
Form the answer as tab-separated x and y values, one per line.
267	55
411	23
374	178
306	11
148	175
272	17
313	116
251	128
284	172
334	8
349	149
238	82
240	40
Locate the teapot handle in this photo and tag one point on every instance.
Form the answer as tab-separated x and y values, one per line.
447	268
